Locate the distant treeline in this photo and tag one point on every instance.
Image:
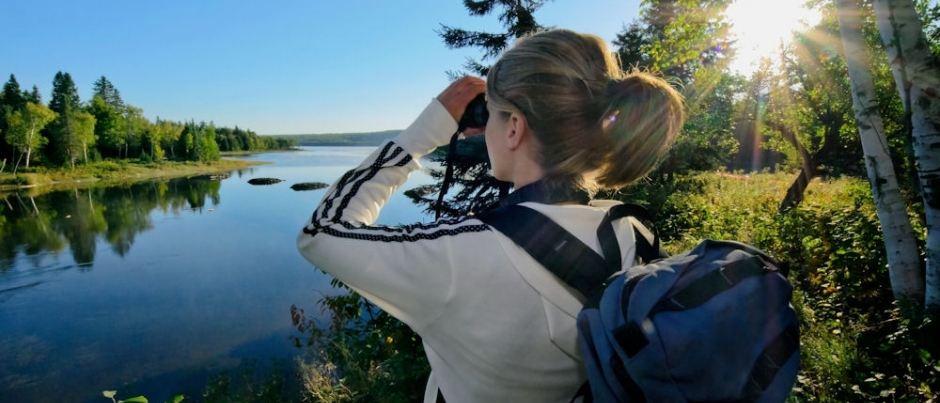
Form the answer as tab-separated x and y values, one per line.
67	130
340	139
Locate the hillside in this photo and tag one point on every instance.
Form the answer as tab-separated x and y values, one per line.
340	139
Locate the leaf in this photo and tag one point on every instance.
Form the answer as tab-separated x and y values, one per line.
137	399
109	393
177	399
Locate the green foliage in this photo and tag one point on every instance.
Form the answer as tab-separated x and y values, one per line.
250	383
516	16
363	354
24	129
110	394
110	126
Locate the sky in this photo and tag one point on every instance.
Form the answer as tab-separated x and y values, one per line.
276	66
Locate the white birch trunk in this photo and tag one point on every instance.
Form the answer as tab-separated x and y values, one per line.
29	141
907	282
910	56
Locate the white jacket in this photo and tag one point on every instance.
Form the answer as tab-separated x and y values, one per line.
496	325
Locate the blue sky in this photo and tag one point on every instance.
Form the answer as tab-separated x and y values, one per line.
275	67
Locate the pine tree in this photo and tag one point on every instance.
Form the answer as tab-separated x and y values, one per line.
64	93
104	89
64	142
34	96
11	100
517	17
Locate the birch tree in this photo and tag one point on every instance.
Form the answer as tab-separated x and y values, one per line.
917	73
907	283
23	130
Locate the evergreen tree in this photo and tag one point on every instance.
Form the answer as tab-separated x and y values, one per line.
64	140
11	100
11	96
517	17
34	96
64	94
104	89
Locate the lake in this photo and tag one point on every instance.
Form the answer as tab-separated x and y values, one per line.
151	288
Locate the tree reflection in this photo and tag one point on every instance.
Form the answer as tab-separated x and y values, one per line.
78	218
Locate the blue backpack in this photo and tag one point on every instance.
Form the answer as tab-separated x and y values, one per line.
713	324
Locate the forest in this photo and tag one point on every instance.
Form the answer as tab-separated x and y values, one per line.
67	131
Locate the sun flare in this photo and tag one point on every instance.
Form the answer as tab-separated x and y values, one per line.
761	25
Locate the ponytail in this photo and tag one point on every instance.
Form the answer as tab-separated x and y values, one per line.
643	118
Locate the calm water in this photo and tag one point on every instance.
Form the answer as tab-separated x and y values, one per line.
151	288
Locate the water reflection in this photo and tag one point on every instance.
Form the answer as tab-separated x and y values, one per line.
36	225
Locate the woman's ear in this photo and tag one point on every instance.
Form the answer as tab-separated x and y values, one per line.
518	131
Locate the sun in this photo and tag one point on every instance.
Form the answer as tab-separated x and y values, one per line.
761	25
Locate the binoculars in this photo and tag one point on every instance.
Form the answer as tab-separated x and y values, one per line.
476	114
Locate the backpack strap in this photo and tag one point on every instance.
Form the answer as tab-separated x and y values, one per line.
647	242
554	247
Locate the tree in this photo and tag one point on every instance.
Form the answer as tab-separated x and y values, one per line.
809	109
917	73
24	127
83	127
104	89
678	38
64	93
34	96
517	17
11	100
169	135
163	134
64	141
689	43
903	255
135	124
109	126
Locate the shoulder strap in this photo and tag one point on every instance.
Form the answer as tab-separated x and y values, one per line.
554	247
647	242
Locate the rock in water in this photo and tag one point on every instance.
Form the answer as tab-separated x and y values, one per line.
308	186
264	181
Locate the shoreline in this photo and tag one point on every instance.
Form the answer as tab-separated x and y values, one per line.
110	173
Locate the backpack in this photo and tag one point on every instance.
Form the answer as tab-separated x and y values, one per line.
713	324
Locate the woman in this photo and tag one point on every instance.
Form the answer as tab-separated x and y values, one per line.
497	327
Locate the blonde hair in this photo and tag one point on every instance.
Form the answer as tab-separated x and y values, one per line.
567	85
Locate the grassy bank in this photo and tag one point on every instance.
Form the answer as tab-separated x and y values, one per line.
103	173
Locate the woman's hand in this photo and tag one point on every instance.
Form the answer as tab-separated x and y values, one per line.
459	93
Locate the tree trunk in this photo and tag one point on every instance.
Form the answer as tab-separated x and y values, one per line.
16	164
910	56
907	282
29	142
810	170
